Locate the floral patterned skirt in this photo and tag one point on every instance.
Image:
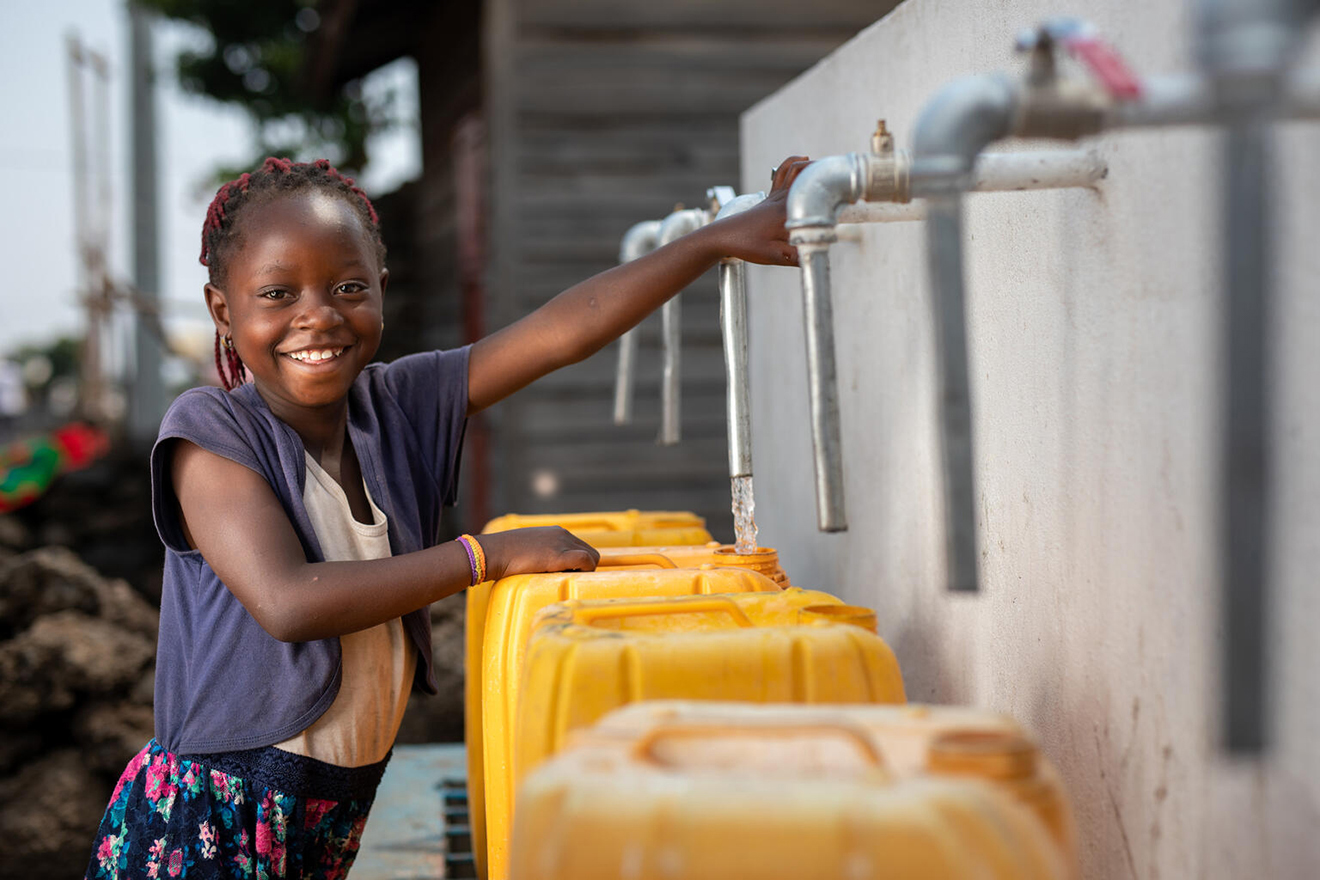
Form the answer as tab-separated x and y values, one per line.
262	813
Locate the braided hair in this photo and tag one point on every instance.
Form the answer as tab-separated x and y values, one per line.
275	177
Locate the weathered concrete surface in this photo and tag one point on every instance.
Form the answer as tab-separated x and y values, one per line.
404	838
1094	329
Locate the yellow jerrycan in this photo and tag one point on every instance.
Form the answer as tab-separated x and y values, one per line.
765	560
499	619
623	528
587	657
815	793
914	740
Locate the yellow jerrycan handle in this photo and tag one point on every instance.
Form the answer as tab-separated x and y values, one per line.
853	614
657	559
717	604
649	746
596	525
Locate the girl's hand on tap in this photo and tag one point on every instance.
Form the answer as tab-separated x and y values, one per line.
757	235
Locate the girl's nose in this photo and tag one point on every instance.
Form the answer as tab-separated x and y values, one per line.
318	312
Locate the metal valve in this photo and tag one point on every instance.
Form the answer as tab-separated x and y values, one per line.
1081	40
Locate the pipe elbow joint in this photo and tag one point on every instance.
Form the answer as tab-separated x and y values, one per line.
741	203
680	223
960	121
640	239
822	188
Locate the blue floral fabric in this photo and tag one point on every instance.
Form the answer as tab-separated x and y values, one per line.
172	816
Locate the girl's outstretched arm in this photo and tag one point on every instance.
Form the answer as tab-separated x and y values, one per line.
231	514
585	318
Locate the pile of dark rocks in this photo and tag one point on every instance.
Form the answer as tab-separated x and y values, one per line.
79	610
76	670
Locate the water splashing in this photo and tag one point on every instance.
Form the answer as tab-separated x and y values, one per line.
744	518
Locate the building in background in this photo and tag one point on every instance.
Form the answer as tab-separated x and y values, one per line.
549	127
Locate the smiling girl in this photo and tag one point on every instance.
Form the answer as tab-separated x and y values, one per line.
300	513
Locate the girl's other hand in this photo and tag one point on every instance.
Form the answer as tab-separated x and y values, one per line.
758	234
535	550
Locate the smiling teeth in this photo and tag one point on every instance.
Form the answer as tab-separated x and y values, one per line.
322	355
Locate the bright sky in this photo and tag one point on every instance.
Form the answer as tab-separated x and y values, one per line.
37	296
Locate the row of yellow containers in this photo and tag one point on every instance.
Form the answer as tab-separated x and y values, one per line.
709	791
557	652
628	540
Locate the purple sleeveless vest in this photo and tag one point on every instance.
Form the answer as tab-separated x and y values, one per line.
222	682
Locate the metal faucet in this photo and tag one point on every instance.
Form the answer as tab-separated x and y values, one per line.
886	180
677	224
733	328
1245	49
639	240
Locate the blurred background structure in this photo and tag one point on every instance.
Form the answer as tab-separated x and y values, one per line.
507	145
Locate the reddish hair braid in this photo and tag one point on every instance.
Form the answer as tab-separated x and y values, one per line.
274	178
231	370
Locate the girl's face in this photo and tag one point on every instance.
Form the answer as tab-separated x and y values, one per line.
302	298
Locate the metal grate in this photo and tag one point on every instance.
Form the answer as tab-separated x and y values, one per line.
459	860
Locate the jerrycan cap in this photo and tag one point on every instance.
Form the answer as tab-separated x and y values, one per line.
760	554
991	754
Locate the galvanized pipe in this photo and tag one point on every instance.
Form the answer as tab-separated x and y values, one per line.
813	203
822	385
812	208
995	172
737	393
671	377
1245	47
675	225
944	255
640	239
1244	540
733	328
1191	99
956	125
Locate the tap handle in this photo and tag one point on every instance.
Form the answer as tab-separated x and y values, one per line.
1081	40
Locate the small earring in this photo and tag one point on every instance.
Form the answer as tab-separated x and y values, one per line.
227	362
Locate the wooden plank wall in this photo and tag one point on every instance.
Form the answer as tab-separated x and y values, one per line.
603	113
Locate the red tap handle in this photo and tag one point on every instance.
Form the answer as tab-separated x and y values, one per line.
1080	39
1105	64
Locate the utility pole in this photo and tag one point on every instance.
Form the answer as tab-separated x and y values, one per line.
147	393
91	227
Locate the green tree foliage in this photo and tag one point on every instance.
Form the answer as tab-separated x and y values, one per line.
257	59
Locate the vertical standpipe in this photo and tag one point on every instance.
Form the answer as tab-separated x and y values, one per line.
639	240
826	193
945	266
822	385
733	329
1245	47
813	204
675	225
956	125
737	394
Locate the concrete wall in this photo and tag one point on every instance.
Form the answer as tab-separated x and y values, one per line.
1094	321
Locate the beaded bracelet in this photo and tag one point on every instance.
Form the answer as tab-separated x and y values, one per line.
476	557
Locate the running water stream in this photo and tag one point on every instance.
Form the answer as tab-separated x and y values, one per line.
744	516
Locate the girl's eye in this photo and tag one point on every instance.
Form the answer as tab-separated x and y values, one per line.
351	287
275	294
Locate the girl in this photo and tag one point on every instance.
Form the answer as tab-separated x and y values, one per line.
300	515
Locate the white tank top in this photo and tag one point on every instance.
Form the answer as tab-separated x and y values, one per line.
378	663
